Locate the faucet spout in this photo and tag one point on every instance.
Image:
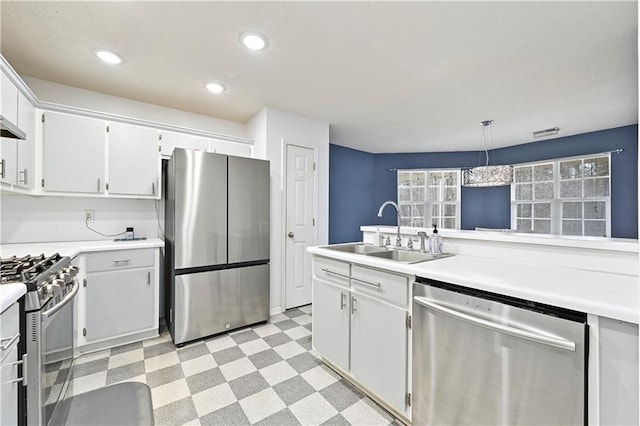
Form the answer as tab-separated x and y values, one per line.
392	203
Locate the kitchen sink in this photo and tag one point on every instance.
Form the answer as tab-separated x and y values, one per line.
408	256
401	256
357	248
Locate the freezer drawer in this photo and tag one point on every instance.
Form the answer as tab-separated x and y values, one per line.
212	302
478	361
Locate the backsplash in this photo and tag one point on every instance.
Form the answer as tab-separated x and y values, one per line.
27	219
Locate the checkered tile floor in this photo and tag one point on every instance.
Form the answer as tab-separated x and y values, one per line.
266	374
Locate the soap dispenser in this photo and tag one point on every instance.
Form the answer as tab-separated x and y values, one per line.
435	241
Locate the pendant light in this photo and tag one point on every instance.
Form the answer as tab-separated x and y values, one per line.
483	176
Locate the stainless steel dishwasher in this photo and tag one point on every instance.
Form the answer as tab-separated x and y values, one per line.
485	358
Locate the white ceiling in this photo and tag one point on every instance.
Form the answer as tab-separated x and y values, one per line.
387	76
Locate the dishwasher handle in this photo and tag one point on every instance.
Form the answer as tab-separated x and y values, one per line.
517	332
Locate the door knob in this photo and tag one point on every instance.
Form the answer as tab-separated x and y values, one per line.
290	234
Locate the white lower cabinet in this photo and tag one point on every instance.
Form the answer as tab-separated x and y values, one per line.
360	325
379	348
9	380
331	322
118	299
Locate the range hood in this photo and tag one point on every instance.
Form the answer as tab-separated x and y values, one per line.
10	130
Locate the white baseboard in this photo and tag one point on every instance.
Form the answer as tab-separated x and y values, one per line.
275	311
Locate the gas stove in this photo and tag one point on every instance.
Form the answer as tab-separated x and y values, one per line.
46	278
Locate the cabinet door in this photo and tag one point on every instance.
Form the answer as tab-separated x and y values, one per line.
8	160
171	140
26	148
73	153
8	99
9	389
331	322
379	348
134	160
118	303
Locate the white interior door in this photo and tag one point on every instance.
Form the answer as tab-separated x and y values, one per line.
300	218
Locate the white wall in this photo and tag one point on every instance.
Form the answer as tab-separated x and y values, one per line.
27	219
48	91
283	127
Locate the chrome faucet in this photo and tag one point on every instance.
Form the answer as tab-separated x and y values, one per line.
392	203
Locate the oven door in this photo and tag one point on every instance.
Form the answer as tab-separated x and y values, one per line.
57	353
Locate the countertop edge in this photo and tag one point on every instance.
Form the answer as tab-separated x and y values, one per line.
10	293
74	248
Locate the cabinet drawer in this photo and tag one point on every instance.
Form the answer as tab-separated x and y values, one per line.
388	286
332	271
9	326
119	259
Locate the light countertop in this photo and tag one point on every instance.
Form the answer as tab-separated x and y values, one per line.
73	248
10	293
605	294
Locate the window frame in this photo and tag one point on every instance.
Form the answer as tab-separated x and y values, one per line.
557	201
428	203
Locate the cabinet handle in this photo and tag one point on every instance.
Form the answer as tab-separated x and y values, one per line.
366	282
353	305
123	261
3	164
153	188
342	302
98	185
24	173
350	277
336	273
149	278
10	341
19	379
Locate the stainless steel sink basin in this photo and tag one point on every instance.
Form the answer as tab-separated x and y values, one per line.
401	256
357	248
408	256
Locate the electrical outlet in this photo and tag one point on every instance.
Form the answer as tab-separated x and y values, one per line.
89	216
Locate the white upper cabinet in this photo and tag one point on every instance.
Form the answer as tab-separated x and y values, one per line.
26	148
9	98
172	140
231	148
134	160
8	147
73	153
8	160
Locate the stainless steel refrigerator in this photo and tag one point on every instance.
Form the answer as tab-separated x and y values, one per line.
216	243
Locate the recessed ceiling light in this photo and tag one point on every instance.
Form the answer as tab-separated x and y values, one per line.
215	87
253	41
108	57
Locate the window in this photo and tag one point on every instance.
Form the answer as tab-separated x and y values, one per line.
428	197
566	197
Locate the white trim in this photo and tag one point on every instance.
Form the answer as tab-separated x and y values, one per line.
593	372
283	202
275	311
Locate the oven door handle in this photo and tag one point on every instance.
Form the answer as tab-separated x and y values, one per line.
67	299
513	331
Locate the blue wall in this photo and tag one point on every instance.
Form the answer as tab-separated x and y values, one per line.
351	189
481	207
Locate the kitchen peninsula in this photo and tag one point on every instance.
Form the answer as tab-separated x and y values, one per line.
598	277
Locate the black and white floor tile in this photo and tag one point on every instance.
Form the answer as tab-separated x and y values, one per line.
264	375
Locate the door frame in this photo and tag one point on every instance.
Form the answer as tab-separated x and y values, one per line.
283	205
